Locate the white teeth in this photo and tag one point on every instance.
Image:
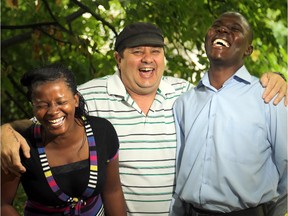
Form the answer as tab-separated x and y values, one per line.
55	121
146	69
221	42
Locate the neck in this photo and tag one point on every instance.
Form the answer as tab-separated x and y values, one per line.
218	74
68	148
74	134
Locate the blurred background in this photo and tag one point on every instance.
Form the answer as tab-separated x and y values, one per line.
81	34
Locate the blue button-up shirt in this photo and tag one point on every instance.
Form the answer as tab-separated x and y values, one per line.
231	146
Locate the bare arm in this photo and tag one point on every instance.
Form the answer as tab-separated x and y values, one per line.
113	198
11	142
274	84
9	186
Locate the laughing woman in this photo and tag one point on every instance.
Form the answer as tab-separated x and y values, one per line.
73	168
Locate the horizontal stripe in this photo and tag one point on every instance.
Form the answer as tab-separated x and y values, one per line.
158	148
150	167
122	173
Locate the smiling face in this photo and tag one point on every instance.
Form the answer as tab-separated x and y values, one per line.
54	106
228	40
141	69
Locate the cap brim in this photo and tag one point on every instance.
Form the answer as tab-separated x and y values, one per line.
145	42
146	39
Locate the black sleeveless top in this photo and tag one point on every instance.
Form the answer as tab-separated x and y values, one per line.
71	178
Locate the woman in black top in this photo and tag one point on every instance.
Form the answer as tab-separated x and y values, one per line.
73	168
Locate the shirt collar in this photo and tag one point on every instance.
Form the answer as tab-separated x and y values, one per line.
116	87
165	87
241	74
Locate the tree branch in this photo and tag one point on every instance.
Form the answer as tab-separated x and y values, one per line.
20	106
26	36
28	26
15	40
54	18
87	9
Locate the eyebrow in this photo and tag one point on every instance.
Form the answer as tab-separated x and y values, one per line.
243	27
220	22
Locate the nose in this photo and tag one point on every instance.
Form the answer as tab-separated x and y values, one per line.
53	108
147	57
223	29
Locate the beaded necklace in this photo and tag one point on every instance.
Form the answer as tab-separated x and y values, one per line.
75	203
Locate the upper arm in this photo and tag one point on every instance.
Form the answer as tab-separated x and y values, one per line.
112	193
9	186
277	136
21	125
112	181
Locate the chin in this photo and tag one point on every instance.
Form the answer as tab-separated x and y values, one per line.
56	131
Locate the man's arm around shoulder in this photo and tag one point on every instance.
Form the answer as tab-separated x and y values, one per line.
11	142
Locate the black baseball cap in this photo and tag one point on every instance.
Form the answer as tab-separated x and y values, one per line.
139	34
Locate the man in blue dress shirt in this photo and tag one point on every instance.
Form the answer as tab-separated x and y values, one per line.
231	146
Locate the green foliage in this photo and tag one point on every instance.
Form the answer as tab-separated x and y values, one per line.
20	199
81	35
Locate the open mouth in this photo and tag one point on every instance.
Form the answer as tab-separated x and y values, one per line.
146	69
220	43
146	72
56	122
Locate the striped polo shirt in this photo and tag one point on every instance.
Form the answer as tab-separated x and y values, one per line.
147	142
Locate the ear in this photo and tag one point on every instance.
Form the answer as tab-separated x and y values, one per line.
248	51
76	99
117	57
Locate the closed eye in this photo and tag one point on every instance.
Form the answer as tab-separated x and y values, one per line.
41	106
61	103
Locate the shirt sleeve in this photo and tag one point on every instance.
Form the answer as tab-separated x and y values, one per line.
277	117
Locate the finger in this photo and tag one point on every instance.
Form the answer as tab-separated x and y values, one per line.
4	164
270	90
276	86
281	93
12	171
17	166
24	147
264	80
278	98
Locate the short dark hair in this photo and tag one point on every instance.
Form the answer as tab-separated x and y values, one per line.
50	73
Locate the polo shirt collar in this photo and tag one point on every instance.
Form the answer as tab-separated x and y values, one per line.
165	87
115	85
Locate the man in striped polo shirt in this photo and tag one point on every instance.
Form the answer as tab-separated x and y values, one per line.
138	101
